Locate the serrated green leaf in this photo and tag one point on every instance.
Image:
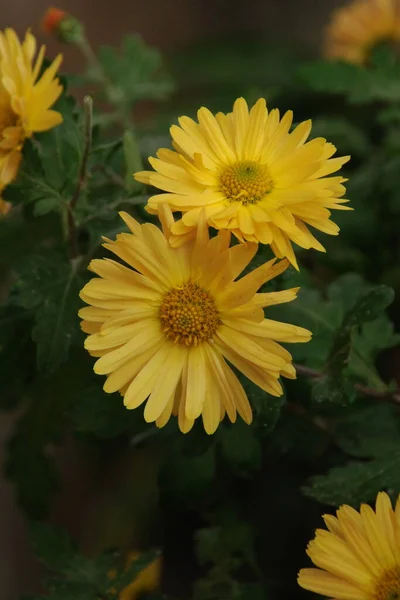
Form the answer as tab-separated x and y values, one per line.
334	390
57	324
369	306
49	285
134	72
366	432
358	482
101	414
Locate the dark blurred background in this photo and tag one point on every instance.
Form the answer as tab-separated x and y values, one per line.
176	27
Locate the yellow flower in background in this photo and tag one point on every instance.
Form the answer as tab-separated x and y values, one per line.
359	26
164	326
251	176
359	557
147	581
25	100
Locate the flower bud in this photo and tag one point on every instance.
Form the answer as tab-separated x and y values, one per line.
64	26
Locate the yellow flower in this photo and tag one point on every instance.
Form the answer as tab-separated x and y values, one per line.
355	29
25	99
147	581
163	326
251	176
359	557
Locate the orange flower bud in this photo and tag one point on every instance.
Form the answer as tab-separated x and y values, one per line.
52	19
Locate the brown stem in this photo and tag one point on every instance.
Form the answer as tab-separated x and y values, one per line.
363	389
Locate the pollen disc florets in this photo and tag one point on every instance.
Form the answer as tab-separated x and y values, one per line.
246	182
188	315
388	585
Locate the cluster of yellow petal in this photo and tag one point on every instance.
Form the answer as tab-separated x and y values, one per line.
356	28
251	176
26	98
358	558
164	326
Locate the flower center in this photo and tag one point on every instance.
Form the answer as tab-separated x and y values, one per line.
388	585
246	182
188	315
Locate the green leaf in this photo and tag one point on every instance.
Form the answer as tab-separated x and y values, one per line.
101	414
57	323
367	342
366	432
16	354
331	77
358	482
334	390
349	318
369	306
135	72
380	81
28	462
49	285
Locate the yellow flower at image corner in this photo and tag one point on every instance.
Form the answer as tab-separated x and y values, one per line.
25	100
357	27
164	326
358	558
147	581
251	176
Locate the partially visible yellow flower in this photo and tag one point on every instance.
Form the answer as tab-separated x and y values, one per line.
5	207
359	557
359	26
147	581
25	99
164	326
251	176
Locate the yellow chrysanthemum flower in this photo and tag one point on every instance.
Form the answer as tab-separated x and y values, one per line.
356	28
359	557
163	326
251	176
25	100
